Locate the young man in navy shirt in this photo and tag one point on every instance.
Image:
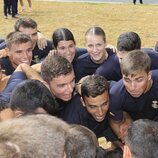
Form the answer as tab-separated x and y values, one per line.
90	109
19	50
136	95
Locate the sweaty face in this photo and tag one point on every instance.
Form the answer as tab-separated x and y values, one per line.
97	106
62	87
67	49
96	47
20	53
30	32
137	84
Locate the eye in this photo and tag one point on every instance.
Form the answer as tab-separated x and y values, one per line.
126	80
92	106
140	79
60	85
90	46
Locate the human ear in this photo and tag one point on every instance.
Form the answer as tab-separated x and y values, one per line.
82	101
18	113
126	152
7	51
149	75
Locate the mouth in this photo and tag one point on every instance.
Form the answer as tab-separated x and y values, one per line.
68	96
26	62
134	94
100	118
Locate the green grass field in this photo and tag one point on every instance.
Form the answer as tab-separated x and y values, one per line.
78	17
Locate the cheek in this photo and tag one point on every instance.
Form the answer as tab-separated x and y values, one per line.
16	57
6	114
142	85
57	91
91	111
61	52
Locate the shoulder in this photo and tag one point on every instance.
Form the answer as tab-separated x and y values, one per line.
80	51
117	87
74	111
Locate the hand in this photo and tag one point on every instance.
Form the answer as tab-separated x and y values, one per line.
52	52
42	42
3	53
114	49
123	131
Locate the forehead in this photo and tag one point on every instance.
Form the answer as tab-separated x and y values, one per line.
94	38
98	99
136	74
65	43
63	79
22	46
28	31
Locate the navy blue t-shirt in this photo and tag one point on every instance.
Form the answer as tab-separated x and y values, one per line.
154	58
143	107
110	69
39	54
85	66
80	51
16	78
75	113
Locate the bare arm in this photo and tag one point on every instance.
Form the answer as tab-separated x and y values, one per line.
4	82
3	53
30	72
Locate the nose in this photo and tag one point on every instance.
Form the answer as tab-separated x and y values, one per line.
94	49
25	55
100	111
133	86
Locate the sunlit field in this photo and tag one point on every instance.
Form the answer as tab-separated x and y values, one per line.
78	17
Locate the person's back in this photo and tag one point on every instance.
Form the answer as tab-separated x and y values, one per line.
80	142
36	136
142	140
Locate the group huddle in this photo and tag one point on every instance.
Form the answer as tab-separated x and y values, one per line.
111	91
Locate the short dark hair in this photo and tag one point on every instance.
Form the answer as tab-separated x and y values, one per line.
31	94
142	139
96	31
80	142
135	61
62	34
3	104
17	37
25	23
54	66
93	86
128	41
